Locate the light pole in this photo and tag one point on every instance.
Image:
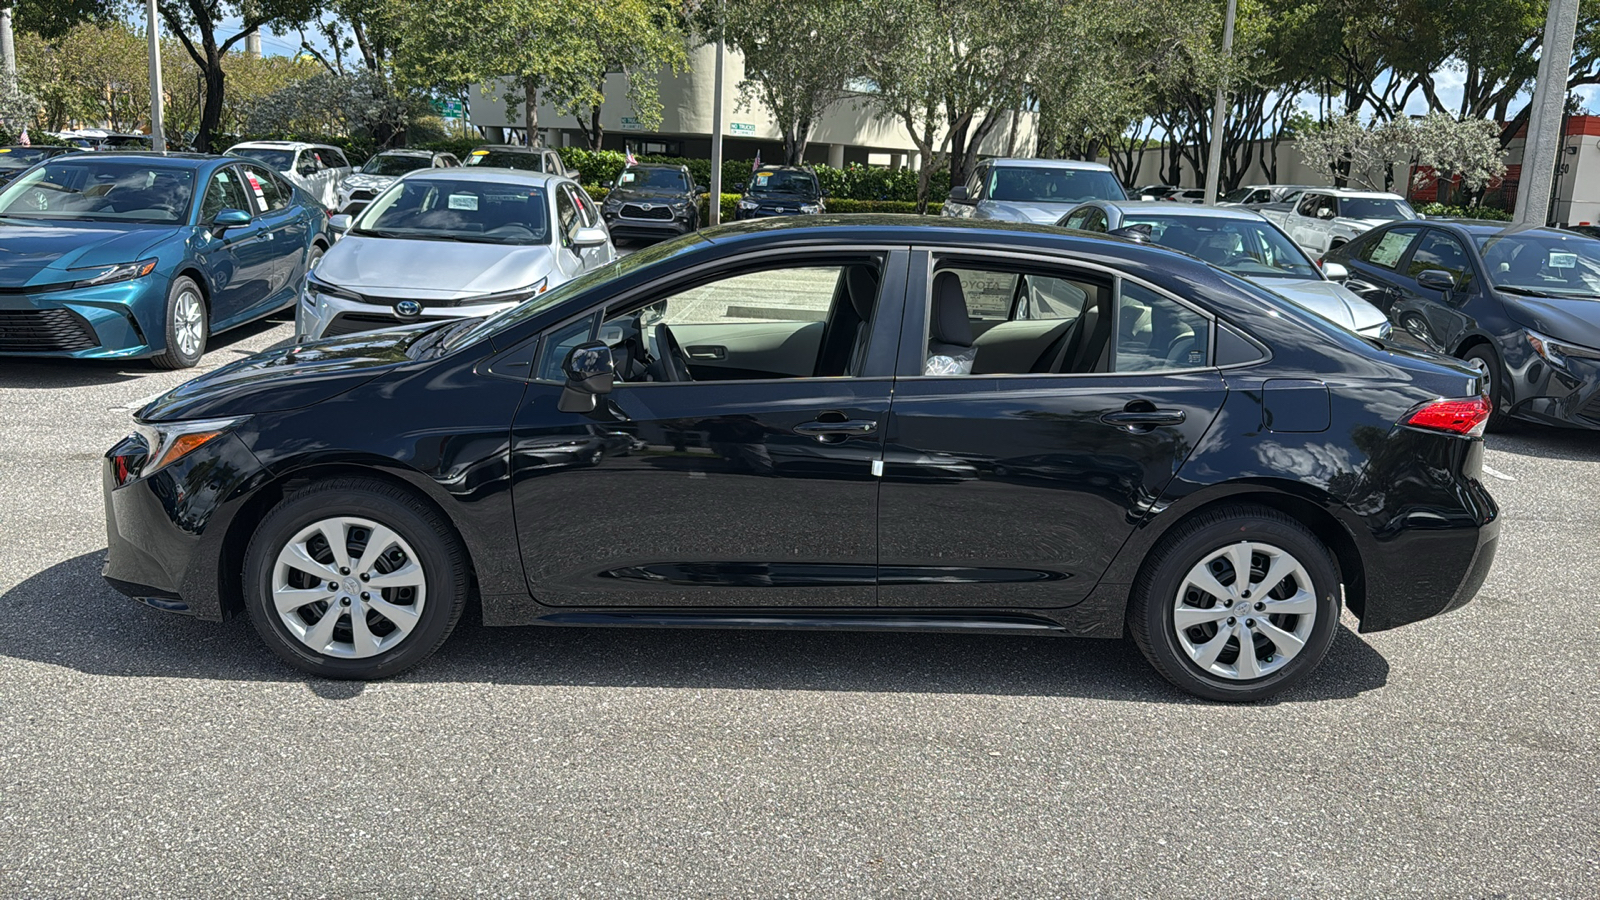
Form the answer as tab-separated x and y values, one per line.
158	134
1219	115
714	204
1544	123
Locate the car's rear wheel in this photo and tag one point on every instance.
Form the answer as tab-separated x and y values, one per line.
354	578
1236	605
187	326
1484	358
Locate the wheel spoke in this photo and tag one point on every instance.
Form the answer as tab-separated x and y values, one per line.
1288	645
321	634
380	540
288	599
1206	654
1248	665
408	575
1239	554
403	617
1202	578
1277	571
362	638
333	531
295	556
1190	616
1301	603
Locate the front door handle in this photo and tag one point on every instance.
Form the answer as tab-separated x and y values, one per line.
1136	419
823	431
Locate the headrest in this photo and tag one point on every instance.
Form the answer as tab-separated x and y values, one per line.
950	323
861	285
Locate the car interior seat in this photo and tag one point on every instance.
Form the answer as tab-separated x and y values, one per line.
843	348
949	322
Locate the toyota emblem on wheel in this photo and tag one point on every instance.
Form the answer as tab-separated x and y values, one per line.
408	309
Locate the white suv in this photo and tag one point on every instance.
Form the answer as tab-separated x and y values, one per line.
316	169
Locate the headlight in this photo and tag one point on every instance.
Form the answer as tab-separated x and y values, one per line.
1555	352
168	442
680	206
748	205
810	209
516	296
111	274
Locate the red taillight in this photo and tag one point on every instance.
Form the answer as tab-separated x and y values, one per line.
1462	415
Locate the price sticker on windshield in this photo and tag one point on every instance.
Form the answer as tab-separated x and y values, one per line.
762	179
255	185
1560	259
467	202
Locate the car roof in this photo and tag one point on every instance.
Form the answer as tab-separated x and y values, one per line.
186	160
509	148
784	169
405	152
1015	162
1352	192
275	145
1181	211
671	166
485	174
1487	228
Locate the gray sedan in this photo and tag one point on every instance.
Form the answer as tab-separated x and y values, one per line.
449	244
1243	243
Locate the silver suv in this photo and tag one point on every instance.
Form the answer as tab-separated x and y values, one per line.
1031	190
316	169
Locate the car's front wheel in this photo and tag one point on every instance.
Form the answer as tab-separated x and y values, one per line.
1237	604
187	325
1486	361
354	578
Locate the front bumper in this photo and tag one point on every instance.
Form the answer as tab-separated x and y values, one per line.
766	212
165	532
111	321
321	315
621	226
1564	396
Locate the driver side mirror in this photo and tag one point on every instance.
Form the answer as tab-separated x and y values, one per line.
230	218
1436	280
958	194
1335	271
589	236
340	224
1324	213
590	372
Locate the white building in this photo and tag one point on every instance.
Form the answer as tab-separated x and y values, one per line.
847	133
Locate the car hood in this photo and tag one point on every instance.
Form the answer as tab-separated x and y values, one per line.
653	194
369	182
1330	300
1037	213
1572	319
287	378
40	254
432	270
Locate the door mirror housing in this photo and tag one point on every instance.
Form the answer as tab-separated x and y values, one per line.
589	236
1324	213
1436	280
590	372
230	218
958	194
1335	271
340	223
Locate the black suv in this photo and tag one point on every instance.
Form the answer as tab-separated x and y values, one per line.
780	191
514	156
652	202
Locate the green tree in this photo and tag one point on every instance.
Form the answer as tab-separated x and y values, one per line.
638	39
199	26
799	60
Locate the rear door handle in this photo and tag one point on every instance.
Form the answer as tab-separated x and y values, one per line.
824	430
1144	418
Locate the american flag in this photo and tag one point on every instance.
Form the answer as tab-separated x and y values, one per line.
757	164
631	160
24	139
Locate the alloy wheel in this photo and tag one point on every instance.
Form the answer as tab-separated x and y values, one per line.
1244	611
348	587
189	319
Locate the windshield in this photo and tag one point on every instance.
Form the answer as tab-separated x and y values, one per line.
383	164
798	183
1557	265
281	160
655	179
113	190
1041	184
1238	195
507	159
470	211
1245	248
1374	208
21	157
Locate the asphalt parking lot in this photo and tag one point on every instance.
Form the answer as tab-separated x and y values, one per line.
146	754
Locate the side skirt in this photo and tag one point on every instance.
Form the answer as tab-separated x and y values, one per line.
831	620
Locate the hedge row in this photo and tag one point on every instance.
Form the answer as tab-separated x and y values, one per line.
1441	211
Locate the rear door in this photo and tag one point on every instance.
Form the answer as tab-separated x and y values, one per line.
283	238
1016	485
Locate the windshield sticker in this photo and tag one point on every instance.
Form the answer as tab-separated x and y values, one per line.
1390	248
628	177
464	201
762	179
5	149
1563	260
255	185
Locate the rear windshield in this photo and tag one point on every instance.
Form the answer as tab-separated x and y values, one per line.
1043	184
507	159
281	160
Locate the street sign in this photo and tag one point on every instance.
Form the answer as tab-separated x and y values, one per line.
741	128
449	109
631	123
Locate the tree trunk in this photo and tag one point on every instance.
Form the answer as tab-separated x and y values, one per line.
597	132
211	112
530	91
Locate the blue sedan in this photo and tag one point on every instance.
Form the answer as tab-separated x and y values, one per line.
126	255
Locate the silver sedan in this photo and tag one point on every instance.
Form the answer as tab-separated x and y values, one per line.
1243	243
452	243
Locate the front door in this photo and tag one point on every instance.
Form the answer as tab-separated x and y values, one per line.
694	484
1013	477
231	256
1436	316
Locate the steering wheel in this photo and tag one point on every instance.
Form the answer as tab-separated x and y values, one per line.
671	364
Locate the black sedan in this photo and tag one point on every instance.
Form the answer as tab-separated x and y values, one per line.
844	422
1524	303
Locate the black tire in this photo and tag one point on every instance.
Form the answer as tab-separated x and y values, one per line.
183	292
438	550
1151	606
315	256
1498	417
